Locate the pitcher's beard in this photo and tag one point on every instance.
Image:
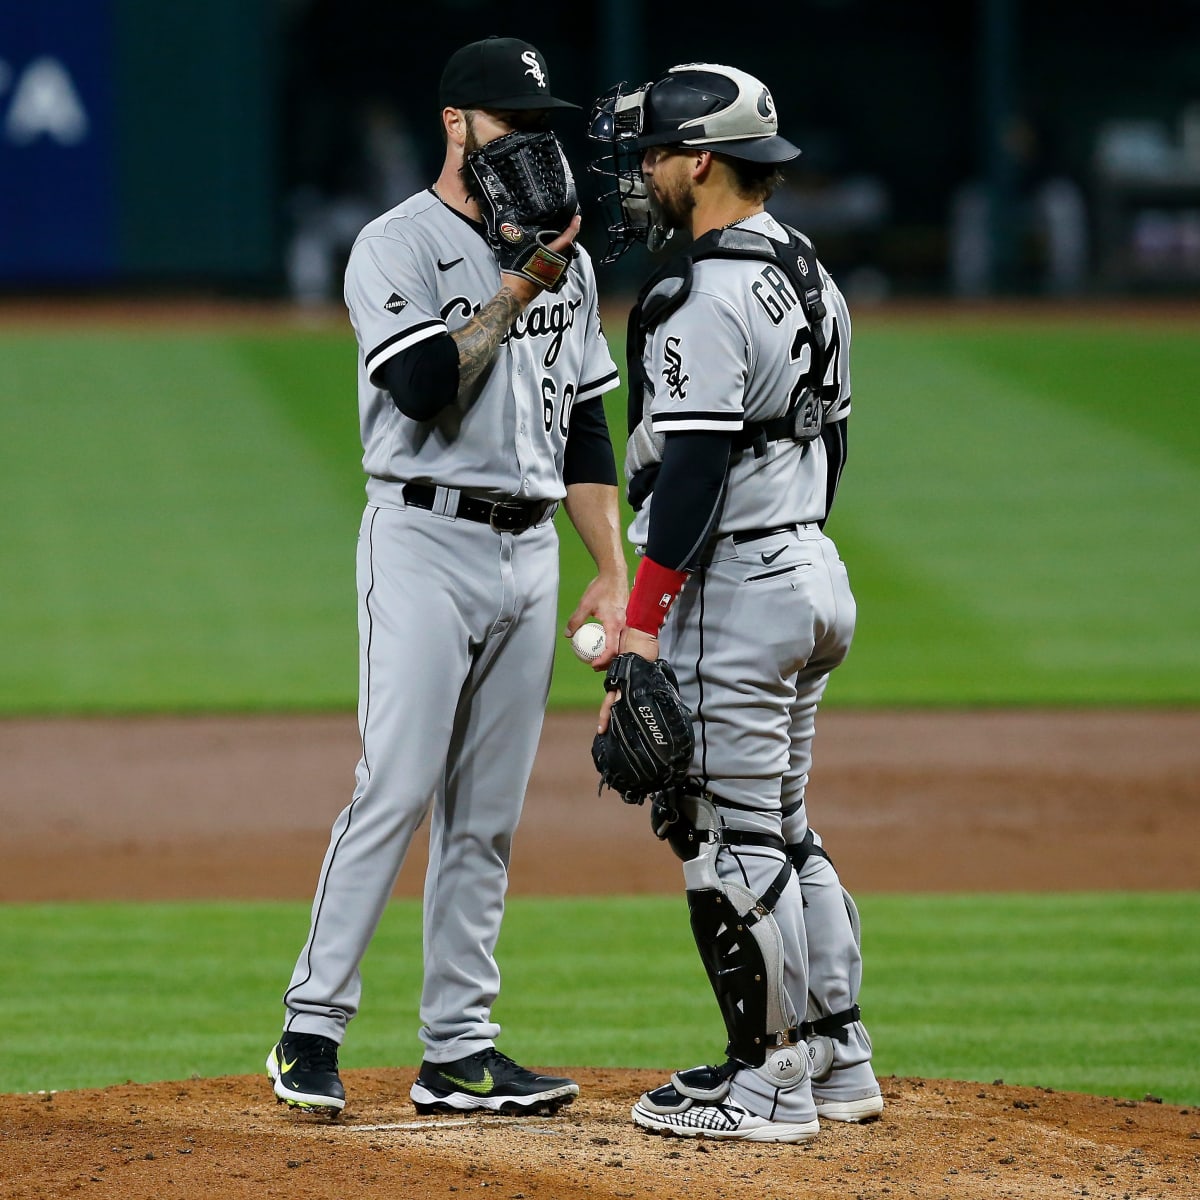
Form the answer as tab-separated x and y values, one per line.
469	182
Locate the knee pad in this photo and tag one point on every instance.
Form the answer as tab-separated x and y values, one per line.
738	939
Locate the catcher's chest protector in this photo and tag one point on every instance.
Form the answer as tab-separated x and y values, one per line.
666	290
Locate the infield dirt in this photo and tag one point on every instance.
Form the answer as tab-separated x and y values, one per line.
172	808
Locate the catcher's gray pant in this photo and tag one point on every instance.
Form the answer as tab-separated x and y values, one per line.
456	641
752	639
830	917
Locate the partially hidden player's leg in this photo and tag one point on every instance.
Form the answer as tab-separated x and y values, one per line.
415	652
844	1085
735	642
492	750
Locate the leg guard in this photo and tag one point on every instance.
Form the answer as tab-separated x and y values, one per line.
740	944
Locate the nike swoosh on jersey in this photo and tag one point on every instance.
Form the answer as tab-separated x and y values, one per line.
480	1087
445	266
768	559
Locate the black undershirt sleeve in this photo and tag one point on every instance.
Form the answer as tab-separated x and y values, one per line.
687	497
423	379
588	457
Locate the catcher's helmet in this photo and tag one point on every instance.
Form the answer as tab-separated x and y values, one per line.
700	105
710	107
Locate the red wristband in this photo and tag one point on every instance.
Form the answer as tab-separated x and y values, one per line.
654	590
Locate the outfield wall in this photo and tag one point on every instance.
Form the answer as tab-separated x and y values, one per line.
137	142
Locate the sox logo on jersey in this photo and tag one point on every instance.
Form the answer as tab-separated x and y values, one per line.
673	372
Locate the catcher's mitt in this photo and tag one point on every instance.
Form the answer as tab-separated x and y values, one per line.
527	197
649	742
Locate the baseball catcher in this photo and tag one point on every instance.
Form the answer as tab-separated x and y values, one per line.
648	743
739	393
527	198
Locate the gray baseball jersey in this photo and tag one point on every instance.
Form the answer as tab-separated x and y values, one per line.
455	619
735	352
422	269
767	614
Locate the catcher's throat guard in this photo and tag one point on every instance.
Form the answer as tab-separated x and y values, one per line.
617	121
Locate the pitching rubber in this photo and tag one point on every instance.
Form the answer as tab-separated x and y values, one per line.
540	1104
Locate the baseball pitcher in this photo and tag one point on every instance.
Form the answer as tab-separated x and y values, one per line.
481	366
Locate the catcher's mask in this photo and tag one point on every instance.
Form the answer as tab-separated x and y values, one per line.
701	105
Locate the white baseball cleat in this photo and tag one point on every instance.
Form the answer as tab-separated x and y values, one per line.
866	1108
667	1111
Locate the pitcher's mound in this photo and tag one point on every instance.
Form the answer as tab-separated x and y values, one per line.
227	1139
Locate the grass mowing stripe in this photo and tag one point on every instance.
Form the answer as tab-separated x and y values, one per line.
1087	992
1141	384
177	531
1030	519
185	537
309	377
1062	991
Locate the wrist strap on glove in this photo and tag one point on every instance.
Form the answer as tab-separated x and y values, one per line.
541	264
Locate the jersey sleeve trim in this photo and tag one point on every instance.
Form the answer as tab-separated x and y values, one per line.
598	387
401	341
696	422
840	410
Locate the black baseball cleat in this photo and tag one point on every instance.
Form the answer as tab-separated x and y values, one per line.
304	1069
492	1081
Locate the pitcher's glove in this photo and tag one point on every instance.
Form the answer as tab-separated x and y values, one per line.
649	742
527	196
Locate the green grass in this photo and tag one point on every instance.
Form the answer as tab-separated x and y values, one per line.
1084	992
1019	516
178	516
178	513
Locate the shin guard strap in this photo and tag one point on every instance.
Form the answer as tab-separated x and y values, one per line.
833	1026
801	852
770	898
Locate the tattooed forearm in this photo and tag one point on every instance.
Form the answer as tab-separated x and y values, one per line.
478	338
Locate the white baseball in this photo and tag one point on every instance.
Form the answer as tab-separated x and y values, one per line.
588	641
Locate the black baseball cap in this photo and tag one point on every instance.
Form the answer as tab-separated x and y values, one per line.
498	73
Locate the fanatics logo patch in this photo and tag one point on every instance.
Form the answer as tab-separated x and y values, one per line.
396	303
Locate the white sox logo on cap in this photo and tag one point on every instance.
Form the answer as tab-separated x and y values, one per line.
535	68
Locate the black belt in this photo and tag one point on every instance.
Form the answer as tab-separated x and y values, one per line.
504	516
752	535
